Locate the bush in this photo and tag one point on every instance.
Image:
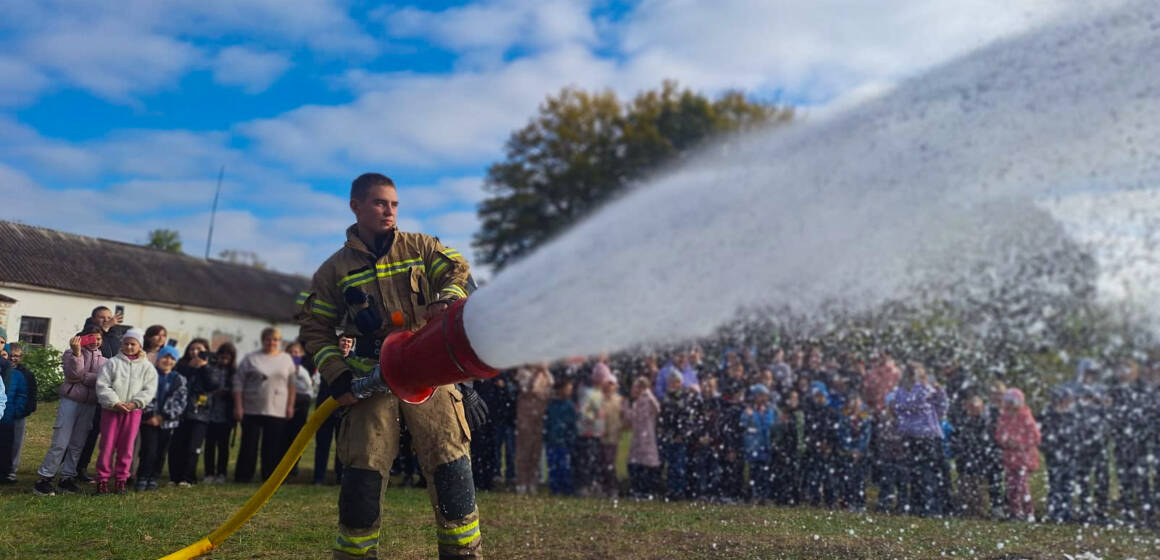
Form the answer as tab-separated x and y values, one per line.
44	363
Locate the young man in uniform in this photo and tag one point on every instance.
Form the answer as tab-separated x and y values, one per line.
384	280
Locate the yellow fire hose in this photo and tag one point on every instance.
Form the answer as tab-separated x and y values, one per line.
264	493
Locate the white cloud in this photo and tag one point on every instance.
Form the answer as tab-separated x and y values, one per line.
111	59
446	191
250	69
497	25
20	82
812	49
454	224
423	120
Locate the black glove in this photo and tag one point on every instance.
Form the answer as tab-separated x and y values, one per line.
366	319
341	384
473	407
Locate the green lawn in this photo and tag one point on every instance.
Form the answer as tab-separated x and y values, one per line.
299	522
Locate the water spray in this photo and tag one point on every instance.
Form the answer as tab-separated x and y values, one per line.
412	365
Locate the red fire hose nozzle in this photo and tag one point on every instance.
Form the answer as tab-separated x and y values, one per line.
414	364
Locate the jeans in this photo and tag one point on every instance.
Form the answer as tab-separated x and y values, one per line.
217	448
1061	486
675	457
892	486
925	471
505	437
184	449
154	444
560	469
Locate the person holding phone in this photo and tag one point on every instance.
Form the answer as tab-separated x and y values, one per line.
78	400
203	378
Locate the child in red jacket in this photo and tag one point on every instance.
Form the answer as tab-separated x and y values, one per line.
1018	436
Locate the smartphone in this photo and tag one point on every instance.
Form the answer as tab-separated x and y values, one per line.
173	342
119	310
88	339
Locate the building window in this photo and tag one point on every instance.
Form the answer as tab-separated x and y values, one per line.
34	330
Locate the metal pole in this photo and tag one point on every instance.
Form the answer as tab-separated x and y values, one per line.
213	213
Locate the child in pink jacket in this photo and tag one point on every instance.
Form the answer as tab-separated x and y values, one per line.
1018	436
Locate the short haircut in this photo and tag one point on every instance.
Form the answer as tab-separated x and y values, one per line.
99	309
15	346
365	182
270	331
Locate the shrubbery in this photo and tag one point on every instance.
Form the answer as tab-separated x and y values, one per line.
44	362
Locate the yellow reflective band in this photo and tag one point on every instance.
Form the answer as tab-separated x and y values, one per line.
391	269
319	311
460	535
326	353
459	530
451	254
357	279
455	290
302	297
363	365
438	268
357	546
324	305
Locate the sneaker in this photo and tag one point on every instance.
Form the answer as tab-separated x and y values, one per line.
102	487
184	484
68	486
120	487
209	479
139	486
43	487
10	479
151	484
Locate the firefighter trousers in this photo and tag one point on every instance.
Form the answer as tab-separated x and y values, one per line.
367	444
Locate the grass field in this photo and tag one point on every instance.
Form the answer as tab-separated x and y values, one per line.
299	522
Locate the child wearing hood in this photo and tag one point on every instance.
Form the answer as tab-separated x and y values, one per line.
160	418
126	384
1018	436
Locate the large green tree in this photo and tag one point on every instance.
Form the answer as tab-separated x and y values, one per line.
164	239
585	147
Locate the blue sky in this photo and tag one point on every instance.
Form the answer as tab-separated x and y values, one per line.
116	116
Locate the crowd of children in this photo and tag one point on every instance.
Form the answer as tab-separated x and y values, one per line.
846	434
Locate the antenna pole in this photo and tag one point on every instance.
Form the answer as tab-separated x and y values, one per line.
213	213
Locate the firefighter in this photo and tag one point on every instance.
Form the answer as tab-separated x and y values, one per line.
383	280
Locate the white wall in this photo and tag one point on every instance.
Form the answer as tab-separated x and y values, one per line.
68	313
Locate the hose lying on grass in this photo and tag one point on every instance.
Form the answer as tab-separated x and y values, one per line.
264	493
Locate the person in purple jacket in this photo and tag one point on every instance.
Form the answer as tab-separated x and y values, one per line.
919	404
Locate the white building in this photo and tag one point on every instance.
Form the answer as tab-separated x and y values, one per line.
51	281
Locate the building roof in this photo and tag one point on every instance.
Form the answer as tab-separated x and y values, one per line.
55	260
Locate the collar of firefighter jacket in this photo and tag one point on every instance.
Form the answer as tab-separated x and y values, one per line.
355	242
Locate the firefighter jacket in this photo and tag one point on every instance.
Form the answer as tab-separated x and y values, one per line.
414	272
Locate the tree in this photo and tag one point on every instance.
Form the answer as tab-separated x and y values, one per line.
584	148
246	258
164	239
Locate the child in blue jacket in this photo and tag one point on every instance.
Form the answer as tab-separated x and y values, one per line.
757	423
16	394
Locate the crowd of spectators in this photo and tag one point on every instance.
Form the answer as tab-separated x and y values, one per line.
139	403
784	425
794	426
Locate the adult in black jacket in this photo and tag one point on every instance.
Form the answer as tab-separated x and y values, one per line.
1128	416
203	379
973	449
